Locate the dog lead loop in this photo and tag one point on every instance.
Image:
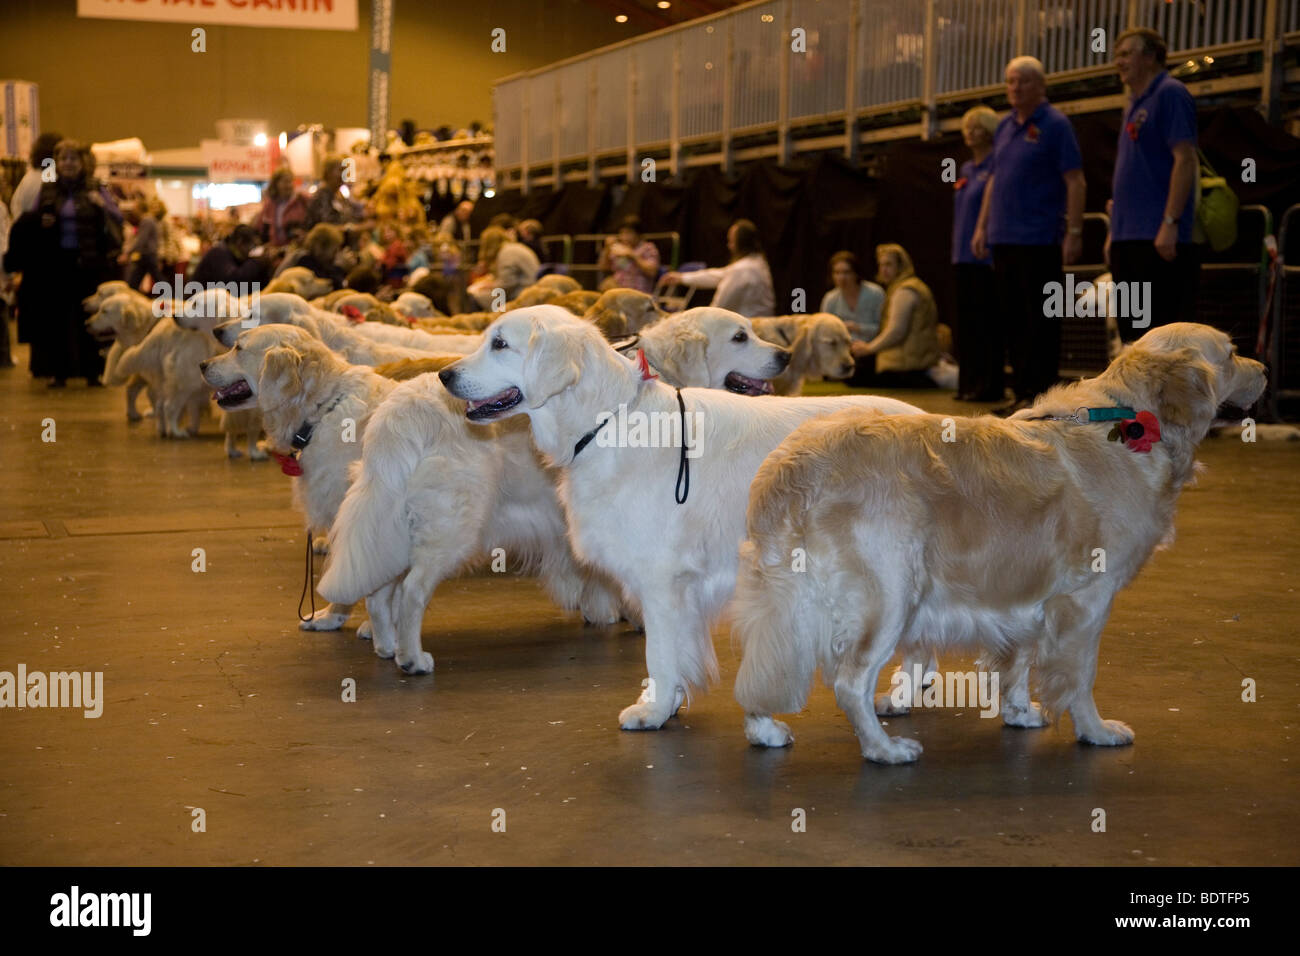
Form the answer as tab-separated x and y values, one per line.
683	469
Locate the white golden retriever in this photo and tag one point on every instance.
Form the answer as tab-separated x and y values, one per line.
127	316
707	348
314	407
676	561
819	348
433	496
986	539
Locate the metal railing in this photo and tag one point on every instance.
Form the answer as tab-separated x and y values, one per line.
816	73
1284	344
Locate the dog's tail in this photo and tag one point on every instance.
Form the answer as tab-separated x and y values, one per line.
370	540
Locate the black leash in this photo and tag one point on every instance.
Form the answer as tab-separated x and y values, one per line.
308	581
683	469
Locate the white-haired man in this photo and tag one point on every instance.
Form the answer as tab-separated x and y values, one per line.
1032	219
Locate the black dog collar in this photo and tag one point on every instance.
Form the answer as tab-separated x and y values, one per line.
302	437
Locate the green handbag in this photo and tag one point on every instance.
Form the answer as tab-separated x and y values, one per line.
1216	208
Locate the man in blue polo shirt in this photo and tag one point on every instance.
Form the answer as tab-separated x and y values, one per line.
1032	219
1155	171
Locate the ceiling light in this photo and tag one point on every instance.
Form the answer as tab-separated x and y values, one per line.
663	4
621	18
259	139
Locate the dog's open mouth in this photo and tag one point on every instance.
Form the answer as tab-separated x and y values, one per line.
235	393
482	409
744	385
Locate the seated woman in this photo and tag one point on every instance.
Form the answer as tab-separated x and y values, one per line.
901	354
632	262
853	299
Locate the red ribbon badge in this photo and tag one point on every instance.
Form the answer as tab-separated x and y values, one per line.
959	183
1139	433
288	464
1031	133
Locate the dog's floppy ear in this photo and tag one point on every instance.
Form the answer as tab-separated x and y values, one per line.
551	364
280	378
137	315
685	358
1187	393
611	323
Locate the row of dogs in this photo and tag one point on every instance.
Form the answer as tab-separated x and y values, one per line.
160	354
913	536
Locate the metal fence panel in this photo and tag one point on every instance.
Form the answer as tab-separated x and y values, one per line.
757	39
1192	24
654	88
574	82
541	117
1063	33
890	52
704	51
508	122
974	39
611	99
817	77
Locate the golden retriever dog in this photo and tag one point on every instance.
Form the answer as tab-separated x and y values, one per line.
315	408
620	312
300	281
413	305
818	343
560	283
168	358
127	316
434	496
536	294
577	302
709	348
656	500
463	322
921	530
407	369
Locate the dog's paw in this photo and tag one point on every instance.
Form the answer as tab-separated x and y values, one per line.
422	664
643	716
885	707
365	630
320	545
258	454
234	453
133	416
1021	716
324	620
1112	733
895	750
767	732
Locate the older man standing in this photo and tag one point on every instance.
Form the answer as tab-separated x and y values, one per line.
1037	182
1155	171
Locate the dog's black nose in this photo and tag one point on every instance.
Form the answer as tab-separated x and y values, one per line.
447	376
203	366
783	357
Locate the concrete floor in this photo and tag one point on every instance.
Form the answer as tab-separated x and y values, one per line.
216	700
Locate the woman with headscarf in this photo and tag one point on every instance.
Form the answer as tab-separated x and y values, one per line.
908	344
64	248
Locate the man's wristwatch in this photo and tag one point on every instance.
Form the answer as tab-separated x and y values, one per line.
1170	221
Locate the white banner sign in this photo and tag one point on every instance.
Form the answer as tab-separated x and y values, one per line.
228	163
303	14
